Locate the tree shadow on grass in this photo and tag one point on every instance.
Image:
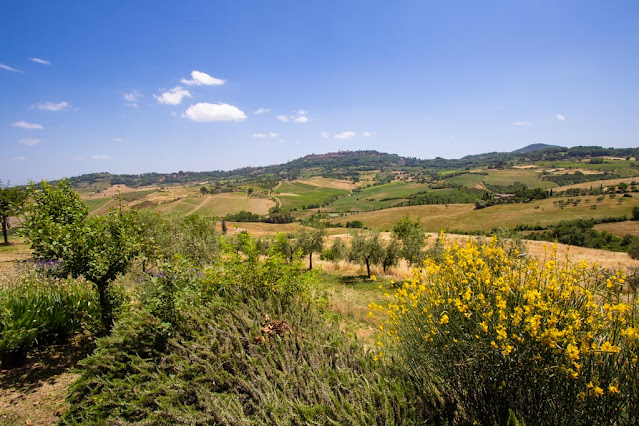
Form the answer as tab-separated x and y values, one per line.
354	279
45	364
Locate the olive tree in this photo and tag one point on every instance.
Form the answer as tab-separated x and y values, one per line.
366	249
311	241
412	235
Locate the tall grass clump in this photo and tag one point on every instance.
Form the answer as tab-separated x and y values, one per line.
493	331
36	308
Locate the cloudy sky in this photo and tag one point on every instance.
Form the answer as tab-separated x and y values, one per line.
133	86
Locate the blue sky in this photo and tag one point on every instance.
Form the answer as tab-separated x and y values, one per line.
133	86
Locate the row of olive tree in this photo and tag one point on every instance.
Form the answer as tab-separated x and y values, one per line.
407	241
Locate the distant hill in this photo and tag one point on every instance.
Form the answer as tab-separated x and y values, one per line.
535	147
351	164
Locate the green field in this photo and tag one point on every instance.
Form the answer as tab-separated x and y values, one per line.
95	204
297	195
530	178
137	195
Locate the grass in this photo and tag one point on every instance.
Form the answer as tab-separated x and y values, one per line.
623	168
620	229
297	195
464	216
392	190
96	204
137	195
376	197
531	178
217	205
349	295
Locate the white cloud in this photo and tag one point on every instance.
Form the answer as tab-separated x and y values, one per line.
367	134
345	135
173	114
561	117
100	157
39	61
8	68
131	99
51	106
324	135
21	158
204	112
522	123
300	117
119	140
173	96
199	78
29	142
262	110
25	125
265	135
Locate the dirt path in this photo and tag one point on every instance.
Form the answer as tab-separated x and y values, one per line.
199	206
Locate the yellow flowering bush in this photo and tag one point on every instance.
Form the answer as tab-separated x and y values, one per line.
496	330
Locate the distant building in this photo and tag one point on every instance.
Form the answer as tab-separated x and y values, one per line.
503	196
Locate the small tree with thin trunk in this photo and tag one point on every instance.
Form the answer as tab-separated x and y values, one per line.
98	248
311	241
366	250
11	201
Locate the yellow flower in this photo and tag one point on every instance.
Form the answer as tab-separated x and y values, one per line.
572	352
613	389
631	333
444	319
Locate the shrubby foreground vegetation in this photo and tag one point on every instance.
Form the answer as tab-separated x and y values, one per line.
495	331
199	328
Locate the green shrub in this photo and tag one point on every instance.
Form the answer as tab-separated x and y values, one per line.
494	330
36	308
219	364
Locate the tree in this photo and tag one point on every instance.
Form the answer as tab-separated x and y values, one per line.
391	254
11	201
283	244
98	248
411	234
311	241
635	213
366	250
336	252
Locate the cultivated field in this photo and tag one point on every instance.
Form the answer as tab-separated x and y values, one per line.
464	216
529	177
